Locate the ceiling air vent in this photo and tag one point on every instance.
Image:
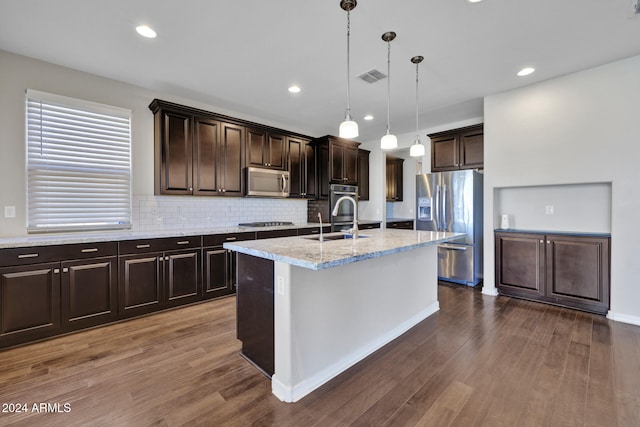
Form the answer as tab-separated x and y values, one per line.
372	76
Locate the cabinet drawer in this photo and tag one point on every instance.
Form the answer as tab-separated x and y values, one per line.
154	245
269	234
313	230
404	225
219	239
38	254
368	226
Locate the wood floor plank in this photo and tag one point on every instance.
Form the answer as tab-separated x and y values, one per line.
479	361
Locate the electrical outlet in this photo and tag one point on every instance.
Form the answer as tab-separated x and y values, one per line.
9	211
548	209
280	285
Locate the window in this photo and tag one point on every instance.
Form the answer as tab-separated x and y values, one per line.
78	164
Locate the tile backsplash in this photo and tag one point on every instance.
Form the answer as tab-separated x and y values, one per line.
181	212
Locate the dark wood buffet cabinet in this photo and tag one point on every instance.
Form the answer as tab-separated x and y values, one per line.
563	269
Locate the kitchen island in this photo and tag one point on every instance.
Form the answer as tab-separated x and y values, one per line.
308	310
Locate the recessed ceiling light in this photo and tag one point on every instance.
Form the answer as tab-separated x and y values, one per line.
146	31
294	89
474	1
368	117
525	71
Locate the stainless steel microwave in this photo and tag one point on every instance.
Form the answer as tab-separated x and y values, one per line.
267	182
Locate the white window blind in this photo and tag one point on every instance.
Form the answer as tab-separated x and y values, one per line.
78	164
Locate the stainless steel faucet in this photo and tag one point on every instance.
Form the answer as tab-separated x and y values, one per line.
354	230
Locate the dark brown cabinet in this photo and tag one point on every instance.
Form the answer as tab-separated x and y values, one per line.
458	149
302	168
196	153
218	158
155	274
368	226
337	163
219	264
42	299
266	149
394	179
400	225
363	174
563	269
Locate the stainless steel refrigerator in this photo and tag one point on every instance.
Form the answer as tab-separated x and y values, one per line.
452	201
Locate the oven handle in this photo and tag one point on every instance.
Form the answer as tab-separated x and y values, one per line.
347	193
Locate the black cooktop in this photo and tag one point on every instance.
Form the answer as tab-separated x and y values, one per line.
264	224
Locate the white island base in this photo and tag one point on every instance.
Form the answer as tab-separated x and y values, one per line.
328	320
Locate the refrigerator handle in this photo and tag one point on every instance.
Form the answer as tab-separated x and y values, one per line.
445	220
437	210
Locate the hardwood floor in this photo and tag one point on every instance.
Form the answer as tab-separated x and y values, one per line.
480	361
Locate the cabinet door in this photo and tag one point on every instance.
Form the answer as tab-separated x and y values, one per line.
471	149
296	167
363	174
89	292
336	163
231	160
29	302
256	146
206	137
182	276
216	269
520	264
140	284
176	154
310	175
444	153
276	151
578	271
351	165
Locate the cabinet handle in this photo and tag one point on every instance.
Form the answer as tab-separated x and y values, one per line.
183	242
143	246
190	188
224	190
56	271
166	258
84	251
65	270
230	238
27	256
541	241
548	242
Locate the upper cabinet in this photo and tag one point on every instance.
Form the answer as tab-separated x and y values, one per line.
337	162
302	168
205	154
363	174
394	180
458	149
266	149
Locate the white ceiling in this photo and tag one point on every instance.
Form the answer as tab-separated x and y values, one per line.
243	55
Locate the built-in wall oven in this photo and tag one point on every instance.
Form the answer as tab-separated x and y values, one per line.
344	219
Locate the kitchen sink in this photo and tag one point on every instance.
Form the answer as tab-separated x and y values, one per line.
341	236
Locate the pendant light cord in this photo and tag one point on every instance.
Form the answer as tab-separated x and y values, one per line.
417	127
388	84
348	66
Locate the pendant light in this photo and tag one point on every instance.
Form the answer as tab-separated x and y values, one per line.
389	140
348	128
417	149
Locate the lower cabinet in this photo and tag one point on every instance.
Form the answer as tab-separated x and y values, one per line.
153	277
563	269
401	225
219	264
46	298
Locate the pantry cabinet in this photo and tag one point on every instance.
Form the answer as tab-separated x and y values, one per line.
564	269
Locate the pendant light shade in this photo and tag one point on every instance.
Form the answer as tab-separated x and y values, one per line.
389	140
348	128
417	149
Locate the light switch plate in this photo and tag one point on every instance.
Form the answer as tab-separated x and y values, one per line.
9	211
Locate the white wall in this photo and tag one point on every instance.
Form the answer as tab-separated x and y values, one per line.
580	128
17	73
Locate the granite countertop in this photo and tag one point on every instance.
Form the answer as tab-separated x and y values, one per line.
120	235
304	252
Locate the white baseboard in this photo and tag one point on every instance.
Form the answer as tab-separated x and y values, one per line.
493	291
298	391
624	318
